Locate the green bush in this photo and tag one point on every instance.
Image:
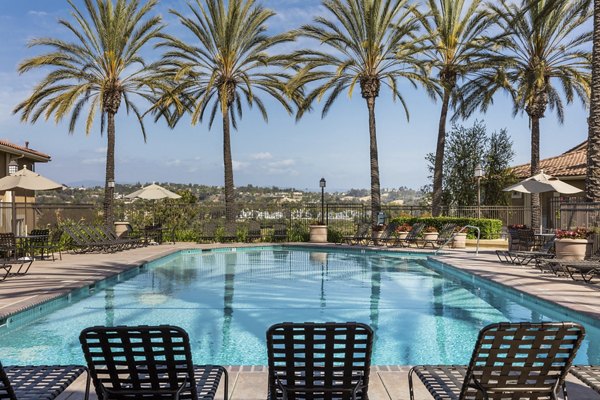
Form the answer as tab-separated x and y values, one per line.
490	228
334	235
298	232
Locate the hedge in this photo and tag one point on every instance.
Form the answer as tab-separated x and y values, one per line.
490	228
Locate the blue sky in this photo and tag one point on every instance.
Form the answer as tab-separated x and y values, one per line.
282	152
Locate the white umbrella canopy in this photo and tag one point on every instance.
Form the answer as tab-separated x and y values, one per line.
153	192
29	180
541	183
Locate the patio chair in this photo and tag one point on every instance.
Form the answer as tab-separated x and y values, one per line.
521	257
360	236
319	360
588	374
10	254
44	382
254	231
279	232
444	236
5	271
389	233
585	270
147	362
510	361
412	237
207	234
38	241
230	232
54	243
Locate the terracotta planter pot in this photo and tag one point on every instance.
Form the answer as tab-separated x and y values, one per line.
375	235
318	233
459	241
401	235
430	235
571	249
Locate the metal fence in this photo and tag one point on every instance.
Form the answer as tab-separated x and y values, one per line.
586	215
28	216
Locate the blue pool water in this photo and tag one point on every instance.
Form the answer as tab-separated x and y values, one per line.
227	299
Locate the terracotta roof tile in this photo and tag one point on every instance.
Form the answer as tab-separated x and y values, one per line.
571	163
25	150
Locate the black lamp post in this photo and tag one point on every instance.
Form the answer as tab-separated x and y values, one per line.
478	175
322	184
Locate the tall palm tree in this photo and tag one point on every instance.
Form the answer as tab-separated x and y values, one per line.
592	182
547	59
96	71
370	43
227	63
457	47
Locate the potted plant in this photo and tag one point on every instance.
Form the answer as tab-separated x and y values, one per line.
572	244
318	232
376	232
430	233
402	231
459	240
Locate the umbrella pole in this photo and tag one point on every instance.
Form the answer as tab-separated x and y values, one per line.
14	212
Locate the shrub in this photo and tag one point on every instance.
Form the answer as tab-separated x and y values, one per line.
490	228
298	232
334	235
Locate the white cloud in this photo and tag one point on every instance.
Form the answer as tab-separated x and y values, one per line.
239	165
38	13
173	163
100	150
282	163
99	160
261	156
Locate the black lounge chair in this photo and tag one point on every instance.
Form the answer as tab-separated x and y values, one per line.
38	241
525	257
6	271
54	243
254	231
147	362
584	270
413	236
509	361
208	232
360	237
588	374
444	236
279	232
44	382
10	254
319	360
388	235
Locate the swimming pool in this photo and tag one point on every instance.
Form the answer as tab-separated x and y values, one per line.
227	298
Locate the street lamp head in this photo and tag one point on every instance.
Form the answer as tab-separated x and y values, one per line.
322	183
479	173
13	167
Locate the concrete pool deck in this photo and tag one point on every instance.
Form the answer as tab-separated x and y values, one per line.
47	280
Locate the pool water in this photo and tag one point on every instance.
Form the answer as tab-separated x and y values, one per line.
226	300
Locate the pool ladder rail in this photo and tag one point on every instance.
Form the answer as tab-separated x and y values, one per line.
451	238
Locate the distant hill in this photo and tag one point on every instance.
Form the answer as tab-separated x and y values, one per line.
85	183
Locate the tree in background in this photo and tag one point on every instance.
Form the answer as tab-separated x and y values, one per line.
101	68
547	61
226	64
467	147
592	181
457	47
370	44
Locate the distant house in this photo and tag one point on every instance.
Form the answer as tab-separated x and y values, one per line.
23	156
569	166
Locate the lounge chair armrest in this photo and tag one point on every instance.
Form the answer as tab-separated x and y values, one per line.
284	389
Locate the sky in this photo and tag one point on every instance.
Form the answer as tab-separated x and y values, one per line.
282	152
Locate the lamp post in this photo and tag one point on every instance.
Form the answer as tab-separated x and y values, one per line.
13	168
322	184
478	176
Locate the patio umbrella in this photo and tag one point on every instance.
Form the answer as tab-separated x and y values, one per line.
28	180
153	192
542	183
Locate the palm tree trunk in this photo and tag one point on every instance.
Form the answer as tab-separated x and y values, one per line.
438	170
375	187
592	181
535	169
229	194
109	183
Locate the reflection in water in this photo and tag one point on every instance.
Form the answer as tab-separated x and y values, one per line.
226	300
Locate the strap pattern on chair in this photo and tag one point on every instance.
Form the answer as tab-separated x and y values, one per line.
139	359
325	357
509	362
588	374
208	378
38	382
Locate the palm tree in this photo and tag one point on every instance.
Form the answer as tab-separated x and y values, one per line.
457	48
96	71
592	182
546	54
370	43
227	63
